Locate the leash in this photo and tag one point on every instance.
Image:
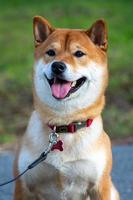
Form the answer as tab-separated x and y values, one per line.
54	143
53	139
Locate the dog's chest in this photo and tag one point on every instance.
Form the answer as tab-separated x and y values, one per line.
63	183
65	179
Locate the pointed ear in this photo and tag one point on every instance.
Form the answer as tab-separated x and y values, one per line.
41	29
98	34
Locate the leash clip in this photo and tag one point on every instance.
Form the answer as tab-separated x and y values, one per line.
54	143
53	137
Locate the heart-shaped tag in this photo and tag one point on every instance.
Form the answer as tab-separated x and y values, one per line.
58	146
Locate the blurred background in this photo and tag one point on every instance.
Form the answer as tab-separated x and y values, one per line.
16	58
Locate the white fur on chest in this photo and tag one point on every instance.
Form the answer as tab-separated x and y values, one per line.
78	163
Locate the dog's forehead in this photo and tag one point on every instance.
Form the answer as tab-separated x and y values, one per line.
70	40
67	37
70	33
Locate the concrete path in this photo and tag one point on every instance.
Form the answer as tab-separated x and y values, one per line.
6	164
122	172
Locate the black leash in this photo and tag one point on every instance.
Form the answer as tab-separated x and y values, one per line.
14	179
52	141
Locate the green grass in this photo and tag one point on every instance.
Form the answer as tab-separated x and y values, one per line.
5	138
16	60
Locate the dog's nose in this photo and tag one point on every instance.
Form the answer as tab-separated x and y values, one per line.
58	68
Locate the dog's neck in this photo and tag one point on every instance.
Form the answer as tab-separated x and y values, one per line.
71	128
52	118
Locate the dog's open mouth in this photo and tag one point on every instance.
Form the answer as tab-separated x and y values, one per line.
62	88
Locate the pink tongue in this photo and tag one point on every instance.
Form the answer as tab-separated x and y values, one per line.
60	91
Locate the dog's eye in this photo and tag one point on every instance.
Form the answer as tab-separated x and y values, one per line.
79	54
50	52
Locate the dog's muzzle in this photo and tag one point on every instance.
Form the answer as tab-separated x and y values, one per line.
60	86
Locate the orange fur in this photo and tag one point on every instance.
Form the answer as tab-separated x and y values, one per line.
18	193
65	42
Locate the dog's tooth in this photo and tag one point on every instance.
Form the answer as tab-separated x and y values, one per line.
74	83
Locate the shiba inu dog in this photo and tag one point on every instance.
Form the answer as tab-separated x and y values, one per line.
70	76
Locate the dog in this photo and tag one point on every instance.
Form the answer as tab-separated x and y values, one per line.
70	76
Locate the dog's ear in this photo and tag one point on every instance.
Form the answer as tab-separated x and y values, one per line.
98	34
41	29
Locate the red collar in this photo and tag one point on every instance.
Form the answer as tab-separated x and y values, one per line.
70	128
73	127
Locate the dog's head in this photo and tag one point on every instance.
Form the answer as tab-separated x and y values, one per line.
70	71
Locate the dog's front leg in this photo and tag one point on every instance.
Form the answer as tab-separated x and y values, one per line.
93	193
22	193
107	190
18	192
